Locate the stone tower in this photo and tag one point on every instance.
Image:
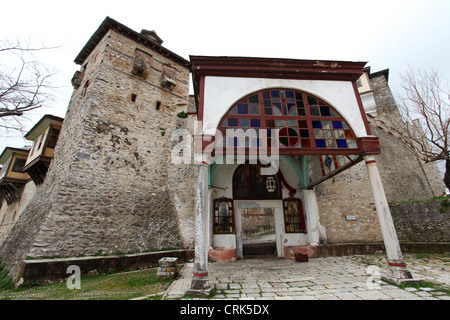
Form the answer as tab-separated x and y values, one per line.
111	186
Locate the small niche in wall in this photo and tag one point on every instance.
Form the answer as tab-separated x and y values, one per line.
158	105
133	97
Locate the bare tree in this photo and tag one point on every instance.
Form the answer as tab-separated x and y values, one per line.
425	109
24	83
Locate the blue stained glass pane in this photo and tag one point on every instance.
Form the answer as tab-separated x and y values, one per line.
266	95
255	123
233	122
293	112
242	108
317	124
320	143
284	109
290	94
325	111
233	111
304	133
275	94
337	125
341	143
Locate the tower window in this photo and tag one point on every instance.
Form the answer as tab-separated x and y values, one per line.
133	97
158	105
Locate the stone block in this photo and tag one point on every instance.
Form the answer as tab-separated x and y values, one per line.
167	268
168	262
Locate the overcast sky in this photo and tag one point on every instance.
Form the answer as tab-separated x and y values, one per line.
390	34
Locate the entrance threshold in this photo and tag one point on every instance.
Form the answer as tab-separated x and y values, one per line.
266	249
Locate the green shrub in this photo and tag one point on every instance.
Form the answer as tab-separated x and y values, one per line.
182	115
6	282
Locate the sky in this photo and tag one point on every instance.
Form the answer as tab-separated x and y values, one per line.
394	34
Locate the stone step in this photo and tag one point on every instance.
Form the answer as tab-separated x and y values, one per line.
260	249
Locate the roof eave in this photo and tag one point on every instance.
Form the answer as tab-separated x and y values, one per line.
109	24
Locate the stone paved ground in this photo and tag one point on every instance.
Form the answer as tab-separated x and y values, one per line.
331	278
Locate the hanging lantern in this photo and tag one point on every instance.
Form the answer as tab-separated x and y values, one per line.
271	184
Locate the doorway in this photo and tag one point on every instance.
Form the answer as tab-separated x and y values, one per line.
258	232
258	229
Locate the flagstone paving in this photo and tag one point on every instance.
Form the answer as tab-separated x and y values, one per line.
331	278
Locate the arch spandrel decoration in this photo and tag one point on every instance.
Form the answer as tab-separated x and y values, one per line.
307	124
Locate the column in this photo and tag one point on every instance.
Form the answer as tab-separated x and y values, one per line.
200	281
397	270
315	231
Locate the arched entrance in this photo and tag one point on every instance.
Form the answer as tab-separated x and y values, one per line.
314	143
315	108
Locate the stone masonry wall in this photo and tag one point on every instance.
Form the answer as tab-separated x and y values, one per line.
9	214
422	221
423	181
348	194
107	187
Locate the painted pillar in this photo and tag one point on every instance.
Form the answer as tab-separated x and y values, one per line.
313	228
200	281
397	267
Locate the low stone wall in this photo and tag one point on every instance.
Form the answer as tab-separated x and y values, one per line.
422	221
347	249
46	270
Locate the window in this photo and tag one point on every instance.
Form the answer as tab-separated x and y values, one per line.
40	141
141	64
294	220
18	165
52	138
223	216
304	121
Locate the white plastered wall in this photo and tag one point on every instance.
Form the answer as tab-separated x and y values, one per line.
223	92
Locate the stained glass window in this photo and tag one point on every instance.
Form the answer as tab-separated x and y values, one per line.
303	120
320	166
294	220
223	216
